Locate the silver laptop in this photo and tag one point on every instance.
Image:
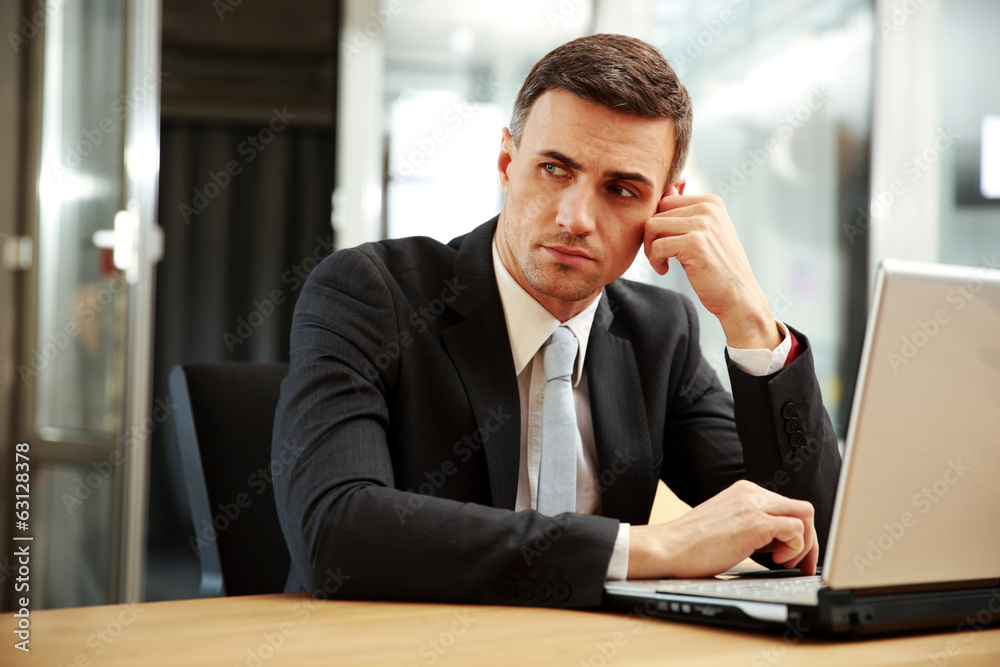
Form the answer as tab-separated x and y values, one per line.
915	539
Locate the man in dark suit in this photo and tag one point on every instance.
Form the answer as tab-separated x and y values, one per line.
409	441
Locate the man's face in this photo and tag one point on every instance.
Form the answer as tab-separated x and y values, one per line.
580	188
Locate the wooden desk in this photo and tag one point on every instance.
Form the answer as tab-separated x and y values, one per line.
275	630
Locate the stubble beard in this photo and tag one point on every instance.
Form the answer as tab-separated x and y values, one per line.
559	281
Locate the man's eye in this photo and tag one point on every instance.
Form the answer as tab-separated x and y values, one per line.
554	169
621	192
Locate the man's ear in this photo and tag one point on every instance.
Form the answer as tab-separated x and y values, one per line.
677	188
506	157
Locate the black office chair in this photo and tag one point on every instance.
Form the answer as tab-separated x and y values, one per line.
224	419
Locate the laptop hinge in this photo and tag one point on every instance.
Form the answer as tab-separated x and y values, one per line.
932	587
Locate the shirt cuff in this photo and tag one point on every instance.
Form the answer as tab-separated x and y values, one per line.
618	566
763	362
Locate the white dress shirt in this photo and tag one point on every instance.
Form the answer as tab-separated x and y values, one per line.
529	325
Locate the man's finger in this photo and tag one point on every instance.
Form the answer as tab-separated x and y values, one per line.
669	202
809	559
777	504
658	228
791	532
666	247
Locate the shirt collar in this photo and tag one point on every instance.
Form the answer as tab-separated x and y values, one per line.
529	325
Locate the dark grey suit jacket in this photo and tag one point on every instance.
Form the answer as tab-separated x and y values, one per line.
397	436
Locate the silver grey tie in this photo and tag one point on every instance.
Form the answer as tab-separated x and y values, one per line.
560	434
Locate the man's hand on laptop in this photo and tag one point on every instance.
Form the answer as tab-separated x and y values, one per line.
722	531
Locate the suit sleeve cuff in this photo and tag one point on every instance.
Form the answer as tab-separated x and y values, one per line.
763	362
618	566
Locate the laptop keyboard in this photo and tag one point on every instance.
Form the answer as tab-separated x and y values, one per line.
788	590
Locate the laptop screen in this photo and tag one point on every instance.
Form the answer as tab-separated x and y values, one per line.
919	493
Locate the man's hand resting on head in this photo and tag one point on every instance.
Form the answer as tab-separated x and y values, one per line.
722	531
697	231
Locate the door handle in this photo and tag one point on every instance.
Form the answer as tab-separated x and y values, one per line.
122	240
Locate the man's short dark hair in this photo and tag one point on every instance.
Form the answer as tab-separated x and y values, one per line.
618	72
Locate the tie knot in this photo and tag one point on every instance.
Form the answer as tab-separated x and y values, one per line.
559	354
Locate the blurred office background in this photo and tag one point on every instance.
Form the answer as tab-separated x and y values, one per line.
170	174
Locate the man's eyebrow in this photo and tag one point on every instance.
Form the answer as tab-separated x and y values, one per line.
559	157
629	176
617	175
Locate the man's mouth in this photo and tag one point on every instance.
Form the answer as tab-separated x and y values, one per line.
565	255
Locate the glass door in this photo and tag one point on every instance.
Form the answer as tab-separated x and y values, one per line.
85	361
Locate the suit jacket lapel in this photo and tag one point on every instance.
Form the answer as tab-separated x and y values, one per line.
480	349
621	432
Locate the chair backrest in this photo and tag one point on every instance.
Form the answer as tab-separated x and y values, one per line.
224	420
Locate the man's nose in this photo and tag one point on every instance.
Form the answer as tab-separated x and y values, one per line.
577	212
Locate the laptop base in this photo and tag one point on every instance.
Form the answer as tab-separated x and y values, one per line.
840	613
